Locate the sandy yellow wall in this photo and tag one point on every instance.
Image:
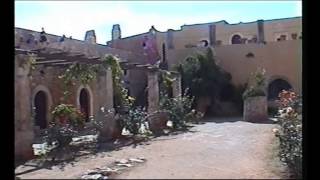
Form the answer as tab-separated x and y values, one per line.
280	59
224	32
285	26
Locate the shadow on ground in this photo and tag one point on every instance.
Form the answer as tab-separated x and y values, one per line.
80	150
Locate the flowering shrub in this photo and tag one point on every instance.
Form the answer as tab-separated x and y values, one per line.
180	109
290	133
67	114
134	119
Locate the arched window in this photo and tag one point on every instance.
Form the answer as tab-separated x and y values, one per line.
236	39
276	86
205	43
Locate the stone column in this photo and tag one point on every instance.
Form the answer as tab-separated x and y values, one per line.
24	134
109	92
176	86
153	91
212	34
110	126
104	91
169	39
260	24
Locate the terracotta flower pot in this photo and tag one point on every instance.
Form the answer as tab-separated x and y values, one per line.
63	120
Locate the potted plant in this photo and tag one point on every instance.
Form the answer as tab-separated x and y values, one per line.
61	113
255	101
65	123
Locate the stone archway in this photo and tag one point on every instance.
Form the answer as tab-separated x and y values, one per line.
85	101
236	39
41	109
41	105
276	86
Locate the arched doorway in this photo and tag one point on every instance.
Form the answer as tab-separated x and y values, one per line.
276	86
40	105
236	39
84	100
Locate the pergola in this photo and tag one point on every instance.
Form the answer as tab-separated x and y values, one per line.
58	57
49	56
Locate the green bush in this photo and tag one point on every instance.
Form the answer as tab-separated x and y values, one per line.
258	83
203	76
253	92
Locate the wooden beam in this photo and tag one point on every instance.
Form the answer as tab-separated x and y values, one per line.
46	62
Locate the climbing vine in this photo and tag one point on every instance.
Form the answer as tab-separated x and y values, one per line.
165	81
121	98
30	62
86	73
78	73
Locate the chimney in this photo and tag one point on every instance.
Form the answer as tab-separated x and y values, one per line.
116	32
91	37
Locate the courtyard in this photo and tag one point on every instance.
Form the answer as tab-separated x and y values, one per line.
136	90
215	149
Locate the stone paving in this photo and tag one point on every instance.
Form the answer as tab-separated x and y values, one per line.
222	148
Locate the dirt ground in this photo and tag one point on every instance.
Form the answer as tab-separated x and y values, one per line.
222	148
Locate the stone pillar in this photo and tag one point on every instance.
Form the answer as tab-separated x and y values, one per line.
110	126
255	109
104	90
109	92
260	31
90	37
116	32
170	39
153	91
212	34
176	86
24	134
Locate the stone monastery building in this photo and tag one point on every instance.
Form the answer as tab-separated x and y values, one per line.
240	49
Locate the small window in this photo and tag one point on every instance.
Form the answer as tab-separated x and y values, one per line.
205	43
283	37
294	36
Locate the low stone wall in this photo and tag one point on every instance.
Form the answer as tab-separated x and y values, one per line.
255	109
110	127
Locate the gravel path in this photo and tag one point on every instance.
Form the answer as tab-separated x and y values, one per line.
233	149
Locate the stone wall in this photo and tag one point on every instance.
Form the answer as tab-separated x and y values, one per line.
280	59
23	126
100	90
45	78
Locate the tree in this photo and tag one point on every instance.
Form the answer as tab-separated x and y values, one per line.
202	75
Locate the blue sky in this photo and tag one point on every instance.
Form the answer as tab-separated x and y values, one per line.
74	18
